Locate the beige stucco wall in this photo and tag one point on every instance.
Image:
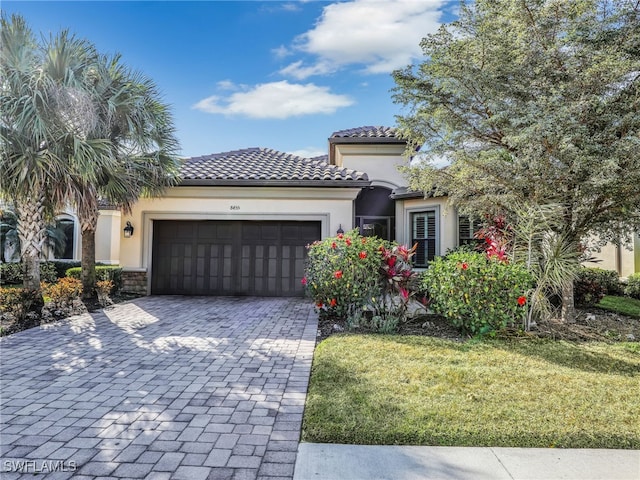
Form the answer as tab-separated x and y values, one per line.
624	259
379	162
330	206
447	225
108	233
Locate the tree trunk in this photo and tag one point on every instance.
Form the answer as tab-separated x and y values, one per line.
88	227
31	231
568	313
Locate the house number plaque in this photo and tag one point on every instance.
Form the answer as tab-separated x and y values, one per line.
234	207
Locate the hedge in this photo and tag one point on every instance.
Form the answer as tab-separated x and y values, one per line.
103	272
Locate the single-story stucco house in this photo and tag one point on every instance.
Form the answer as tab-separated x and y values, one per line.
239	221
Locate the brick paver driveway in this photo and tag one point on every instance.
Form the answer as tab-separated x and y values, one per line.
162	387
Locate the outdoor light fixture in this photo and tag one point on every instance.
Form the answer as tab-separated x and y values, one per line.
340	230
128	230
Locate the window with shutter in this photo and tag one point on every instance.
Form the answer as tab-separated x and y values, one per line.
424	235
466	229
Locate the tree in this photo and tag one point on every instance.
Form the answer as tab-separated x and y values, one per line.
78	127
139	128
44	123
532	101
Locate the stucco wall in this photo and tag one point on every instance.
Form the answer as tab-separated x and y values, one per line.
625	259
380	162
108	233
447	225
330	206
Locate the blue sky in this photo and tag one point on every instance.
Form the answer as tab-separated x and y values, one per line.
239	74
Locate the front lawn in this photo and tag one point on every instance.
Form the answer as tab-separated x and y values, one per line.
412	390
624	305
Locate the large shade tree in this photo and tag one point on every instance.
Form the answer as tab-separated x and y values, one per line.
46	121
532	102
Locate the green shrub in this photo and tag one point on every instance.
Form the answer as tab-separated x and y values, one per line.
609	279
477	294
10	273
103	272
633	286
48	272
62	266
591	286
343	272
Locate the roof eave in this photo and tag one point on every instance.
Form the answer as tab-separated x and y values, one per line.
359	140
207	182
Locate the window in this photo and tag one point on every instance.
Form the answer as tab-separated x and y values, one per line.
423	228
381	227
466	228
64	242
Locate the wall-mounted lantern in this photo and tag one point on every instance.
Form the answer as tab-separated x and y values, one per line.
340	230
128	230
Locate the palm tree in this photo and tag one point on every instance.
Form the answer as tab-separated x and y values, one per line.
47	129
55	237
144	149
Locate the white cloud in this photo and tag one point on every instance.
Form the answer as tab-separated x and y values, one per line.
278	100
299	71
381	34
226	85
309	152
281	51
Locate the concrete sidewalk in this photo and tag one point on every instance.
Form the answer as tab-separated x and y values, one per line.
317	461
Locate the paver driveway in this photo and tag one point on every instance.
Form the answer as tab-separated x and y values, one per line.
161	387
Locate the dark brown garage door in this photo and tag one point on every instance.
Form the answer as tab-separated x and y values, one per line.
230	257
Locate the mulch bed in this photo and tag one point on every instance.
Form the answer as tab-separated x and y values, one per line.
591	325
9	325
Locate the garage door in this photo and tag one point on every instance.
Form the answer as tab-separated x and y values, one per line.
263	258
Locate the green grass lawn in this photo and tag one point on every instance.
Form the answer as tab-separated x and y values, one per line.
624	305
374	389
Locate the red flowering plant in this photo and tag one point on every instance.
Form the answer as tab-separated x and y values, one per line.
476	293
342	273
498	237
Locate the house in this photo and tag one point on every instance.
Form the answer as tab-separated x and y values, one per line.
239	221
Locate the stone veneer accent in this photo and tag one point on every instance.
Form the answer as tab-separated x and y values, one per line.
134	282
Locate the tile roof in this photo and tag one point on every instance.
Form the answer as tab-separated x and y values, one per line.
366	132
321	158
266	167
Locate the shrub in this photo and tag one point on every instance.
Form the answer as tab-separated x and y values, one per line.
343	273
11	273
48	272
609	279
477	294
103	272
16	305
63	292
103	290
62	266
633	286
590	287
